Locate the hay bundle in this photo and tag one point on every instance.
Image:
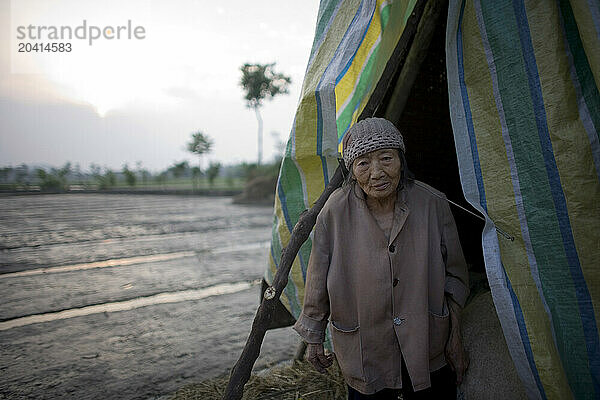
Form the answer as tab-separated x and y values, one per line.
299	381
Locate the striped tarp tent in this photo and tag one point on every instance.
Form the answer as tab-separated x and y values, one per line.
523	81
525	108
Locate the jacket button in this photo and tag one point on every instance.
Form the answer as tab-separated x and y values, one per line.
395	282
398	321
392	248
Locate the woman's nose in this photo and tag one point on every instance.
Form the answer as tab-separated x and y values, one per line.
376	171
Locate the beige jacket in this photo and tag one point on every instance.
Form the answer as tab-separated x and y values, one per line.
384	297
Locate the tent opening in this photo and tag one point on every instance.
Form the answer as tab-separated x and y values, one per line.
430	151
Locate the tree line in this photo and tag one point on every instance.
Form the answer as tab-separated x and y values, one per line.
180	174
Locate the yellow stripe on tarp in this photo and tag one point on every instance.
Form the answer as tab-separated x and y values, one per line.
345	87
503	211
313	172
280	224
298	279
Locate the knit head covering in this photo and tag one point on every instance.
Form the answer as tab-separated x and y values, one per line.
369	135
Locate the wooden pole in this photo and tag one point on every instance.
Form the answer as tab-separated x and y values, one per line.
243	367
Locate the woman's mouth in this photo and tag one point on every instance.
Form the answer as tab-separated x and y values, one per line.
381	186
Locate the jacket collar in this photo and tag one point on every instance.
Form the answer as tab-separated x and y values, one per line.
401	209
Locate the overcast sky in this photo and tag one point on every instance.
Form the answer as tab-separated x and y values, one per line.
129	100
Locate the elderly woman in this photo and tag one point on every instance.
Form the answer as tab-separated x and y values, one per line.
387	271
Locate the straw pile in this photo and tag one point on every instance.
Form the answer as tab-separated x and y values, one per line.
299	381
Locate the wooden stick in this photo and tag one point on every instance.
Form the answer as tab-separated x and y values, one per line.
243	367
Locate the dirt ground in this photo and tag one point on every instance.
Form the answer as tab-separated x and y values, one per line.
145	352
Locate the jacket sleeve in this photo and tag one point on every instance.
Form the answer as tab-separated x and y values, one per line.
457	273
315	312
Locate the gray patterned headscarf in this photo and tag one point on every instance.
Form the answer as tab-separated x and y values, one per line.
369	135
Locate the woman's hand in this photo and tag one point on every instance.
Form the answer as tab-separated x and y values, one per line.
316	355
456	355
455	352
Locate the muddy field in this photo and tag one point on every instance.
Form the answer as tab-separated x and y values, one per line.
127	296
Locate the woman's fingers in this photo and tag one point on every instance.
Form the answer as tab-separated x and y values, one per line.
457	357
319	364
325	360
460	372
317	357
459	375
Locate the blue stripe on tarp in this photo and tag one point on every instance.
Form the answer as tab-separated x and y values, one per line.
467	108
319	123
523	332
581	290
325	172
320	137
283	201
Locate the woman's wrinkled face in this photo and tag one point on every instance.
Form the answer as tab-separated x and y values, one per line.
378	172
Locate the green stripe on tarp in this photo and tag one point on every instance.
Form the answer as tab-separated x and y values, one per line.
305	250
292	196
385	16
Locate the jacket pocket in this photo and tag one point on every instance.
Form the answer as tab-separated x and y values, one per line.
439	329
348	349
